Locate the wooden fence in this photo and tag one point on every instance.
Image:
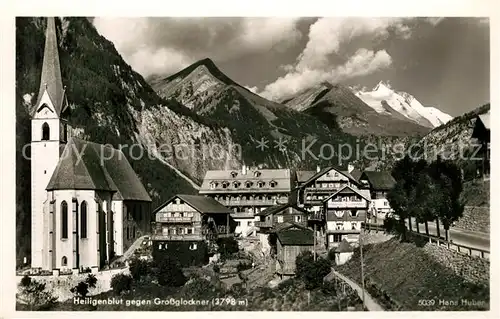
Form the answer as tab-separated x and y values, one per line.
434	240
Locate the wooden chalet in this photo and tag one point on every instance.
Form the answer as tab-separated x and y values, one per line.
291	241
187	226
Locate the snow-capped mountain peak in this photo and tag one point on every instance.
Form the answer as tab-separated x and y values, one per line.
384	99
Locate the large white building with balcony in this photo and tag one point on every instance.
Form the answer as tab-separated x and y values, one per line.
345	211
247	192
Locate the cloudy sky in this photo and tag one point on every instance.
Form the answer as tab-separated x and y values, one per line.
443	62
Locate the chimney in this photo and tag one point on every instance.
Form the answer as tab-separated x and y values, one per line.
350	168
318	169
243	169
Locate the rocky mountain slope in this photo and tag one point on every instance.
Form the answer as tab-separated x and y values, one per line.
453	137
251	118
337	106
385	100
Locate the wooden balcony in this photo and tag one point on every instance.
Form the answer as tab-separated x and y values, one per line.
174	220
266	224
250	202
339	204
186	237
343	231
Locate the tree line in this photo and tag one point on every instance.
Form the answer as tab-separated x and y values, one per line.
424	192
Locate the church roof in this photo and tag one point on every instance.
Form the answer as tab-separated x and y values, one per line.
51	79
88	165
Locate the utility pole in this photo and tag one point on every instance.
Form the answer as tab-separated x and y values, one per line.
362	268
314	247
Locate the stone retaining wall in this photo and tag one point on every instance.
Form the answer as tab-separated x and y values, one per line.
61	285
475	218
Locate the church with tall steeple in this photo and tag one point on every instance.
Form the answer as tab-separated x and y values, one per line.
87	203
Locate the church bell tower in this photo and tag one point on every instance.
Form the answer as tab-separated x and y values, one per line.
49	134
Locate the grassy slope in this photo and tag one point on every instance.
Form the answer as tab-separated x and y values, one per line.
405	274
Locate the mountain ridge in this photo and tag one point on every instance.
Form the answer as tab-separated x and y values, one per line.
383	96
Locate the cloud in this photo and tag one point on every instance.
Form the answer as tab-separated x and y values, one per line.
325	38
327	35
164	45
253	89
363	62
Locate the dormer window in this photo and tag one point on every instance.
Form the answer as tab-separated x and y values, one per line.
256	173
248	184
261	184
273	184
234	174
225	184
213	185
236	184
354	213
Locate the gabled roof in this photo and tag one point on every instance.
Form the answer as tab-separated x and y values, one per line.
51	79
203	204
282	177
344	247
365	193
303	176
356	174
379	180
280	209
88	165
326	170
296	236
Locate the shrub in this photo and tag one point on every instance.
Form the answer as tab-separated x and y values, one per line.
227	247
331	254
243	266
121	283
82	288
139	268
216	268
170	273
33	294
310	271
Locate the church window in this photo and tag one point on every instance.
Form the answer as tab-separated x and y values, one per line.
83	217
64	220
64	261
45	132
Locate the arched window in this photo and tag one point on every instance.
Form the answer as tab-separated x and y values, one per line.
64	261
83	221
45	132
64	220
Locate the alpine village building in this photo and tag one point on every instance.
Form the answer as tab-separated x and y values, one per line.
247	192
379	183
187	228
345	210
481	133
88	204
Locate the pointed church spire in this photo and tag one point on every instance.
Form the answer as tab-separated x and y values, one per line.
51	80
